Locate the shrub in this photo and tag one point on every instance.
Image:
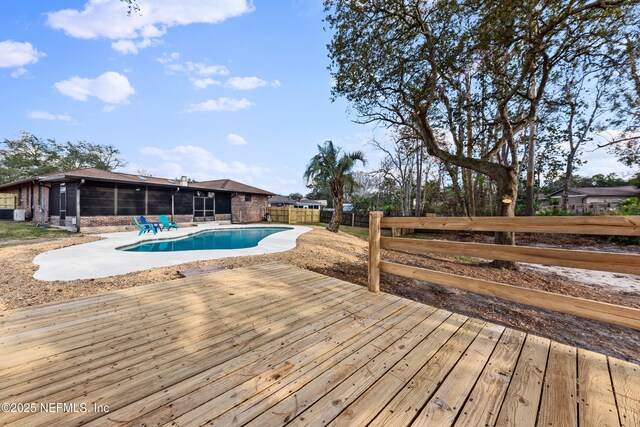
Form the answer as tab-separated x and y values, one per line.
629	206
553	212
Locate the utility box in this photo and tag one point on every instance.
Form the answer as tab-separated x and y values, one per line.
18	214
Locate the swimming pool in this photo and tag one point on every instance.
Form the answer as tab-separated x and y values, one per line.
235	238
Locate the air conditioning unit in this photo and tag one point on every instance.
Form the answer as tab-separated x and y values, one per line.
19	215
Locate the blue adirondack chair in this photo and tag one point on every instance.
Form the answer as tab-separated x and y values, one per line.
166	224
155	225
144	227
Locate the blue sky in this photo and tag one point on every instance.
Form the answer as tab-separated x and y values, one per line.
204	88
209	89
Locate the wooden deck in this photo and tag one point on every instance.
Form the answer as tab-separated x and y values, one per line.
274	345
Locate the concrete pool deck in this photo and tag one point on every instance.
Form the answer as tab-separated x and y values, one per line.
102	258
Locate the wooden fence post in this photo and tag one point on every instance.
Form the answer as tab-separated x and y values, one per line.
374	251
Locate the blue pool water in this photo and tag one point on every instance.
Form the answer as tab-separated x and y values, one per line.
235	238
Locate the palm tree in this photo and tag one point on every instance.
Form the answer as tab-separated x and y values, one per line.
335	170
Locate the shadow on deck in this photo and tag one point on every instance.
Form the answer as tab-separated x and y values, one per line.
274	344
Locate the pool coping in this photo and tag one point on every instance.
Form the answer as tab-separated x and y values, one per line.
100	259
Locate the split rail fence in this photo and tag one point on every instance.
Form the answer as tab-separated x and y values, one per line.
294	215
591	260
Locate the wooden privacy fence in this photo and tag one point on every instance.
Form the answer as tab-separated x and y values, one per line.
591	260
294	215
8	201
353	219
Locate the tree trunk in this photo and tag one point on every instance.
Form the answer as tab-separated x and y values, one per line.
568	177
461	206
419	181
468	173
529	208
336	219
506	198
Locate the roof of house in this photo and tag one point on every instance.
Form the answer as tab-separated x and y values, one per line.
102	175
281	199
231	185
622	191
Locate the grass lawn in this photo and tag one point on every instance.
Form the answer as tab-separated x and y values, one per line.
14	230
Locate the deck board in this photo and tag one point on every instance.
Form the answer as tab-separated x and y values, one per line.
274	344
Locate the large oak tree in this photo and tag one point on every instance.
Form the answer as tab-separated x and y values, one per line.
429	65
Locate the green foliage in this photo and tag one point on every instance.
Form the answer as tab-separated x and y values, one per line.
333	169
625	240
296	196
629	206
32	156
466	77
553	212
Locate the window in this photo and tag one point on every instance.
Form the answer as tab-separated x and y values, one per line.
223	203
247	197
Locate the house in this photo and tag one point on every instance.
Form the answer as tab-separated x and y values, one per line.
596	200
311	204
278	201
91	197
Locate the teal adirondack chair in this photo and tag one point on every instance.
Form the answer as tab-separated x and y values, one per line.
166	224
144	227
156	225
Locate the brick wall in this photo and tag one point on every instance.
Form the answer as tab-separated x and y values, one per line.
41	216
29	202
105	221
68	221
243	211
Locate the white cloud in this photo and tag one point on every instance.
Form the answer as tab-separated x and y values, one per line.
167	58
196	68
199	73
18	54
20	73
108	108
110	87
204	83
44	115
131	47
125	47
234	139
221	104
107	18
249	83
198	163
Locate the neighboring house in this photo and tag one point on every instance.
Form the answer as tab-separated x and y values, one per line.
311	204
95	198
278	201
595	200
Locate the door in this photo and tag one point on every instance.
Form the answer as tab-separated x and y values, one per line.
203	208
63	204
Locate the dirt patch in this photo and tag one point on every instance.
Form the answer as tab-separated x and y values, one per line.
345	257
